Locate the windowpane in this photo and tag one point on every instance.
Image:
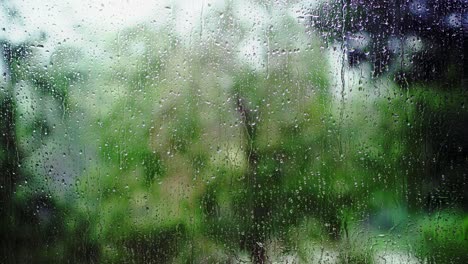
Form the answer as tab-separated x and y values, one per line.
233	131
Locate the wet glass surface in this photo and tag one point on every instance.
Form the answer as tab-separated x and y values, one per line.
233	131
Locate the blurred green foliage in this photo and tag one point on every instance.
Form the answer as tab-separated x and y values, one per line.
188	154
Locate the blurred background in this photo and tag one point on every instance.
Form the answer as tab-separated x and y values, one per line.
233	131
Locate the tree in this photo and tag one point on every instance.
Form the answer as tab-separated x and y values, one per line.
419	45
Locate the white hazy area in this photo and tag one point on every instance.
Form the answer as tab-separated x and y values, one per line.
86	22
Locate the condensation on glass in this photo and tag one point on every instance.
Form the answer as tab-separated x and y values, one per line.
233	131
